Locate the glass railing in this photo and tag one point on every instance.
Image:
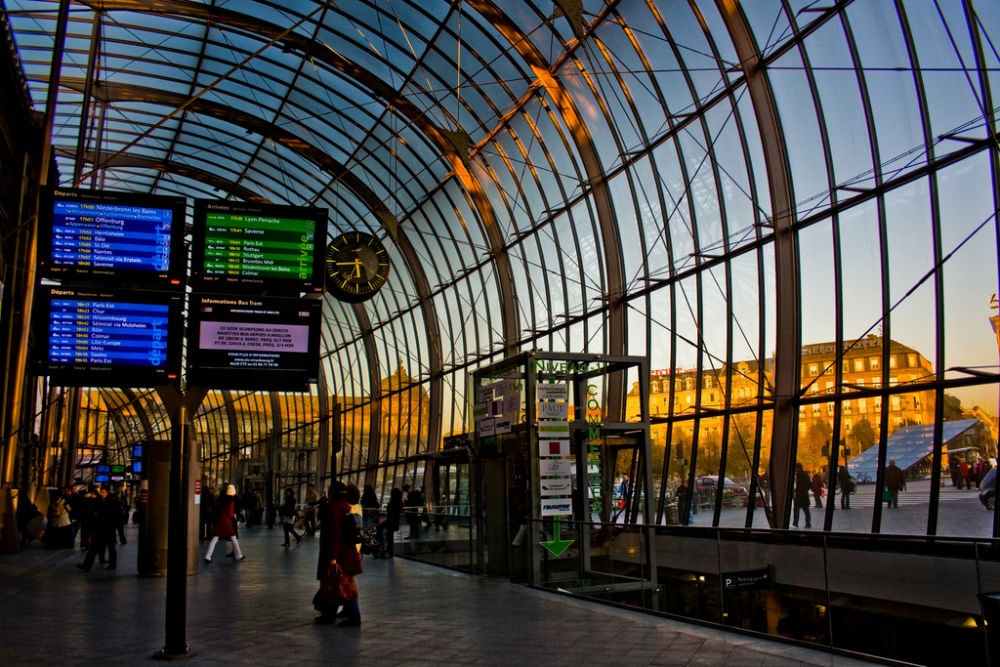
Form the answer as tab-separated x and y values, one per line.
885	596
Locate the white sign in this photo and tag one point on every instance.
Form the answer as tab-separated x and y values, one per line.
555	467
502	388
553	429
553	411
553	391
502	425
487	427
557	507
554	448
561	486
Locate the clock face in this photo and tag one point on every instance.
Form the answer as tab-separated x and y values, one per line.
357	265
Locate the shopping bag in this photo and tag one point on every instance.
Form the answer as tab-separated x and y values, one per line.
335	588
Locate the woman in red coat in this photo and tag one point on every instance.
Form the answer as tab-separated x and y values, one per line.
338	545
225	524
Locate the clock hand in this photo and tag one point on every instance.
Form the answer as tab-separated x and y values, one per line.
356	264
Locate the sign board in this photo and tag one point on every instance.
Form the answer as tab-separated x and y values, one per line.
558	411
554	448
747	580
559	486
557	507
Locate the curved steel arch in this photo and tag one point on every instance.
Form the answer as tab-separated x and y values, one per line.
155	164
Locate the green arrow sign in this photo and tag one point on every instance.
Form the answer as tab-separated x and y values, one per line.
556	546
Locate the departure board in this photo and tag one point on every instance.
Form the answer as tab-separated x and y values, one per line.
112	238
109	338
244	248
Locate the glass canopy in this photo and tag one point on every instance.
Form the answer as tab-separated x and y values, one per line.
789	207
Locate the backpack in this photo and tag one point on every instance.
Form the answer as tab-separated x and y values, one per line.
350	529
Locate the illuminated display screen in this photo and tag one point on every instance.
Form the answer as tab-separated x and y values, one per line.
113	238
257	343
260	249
102	338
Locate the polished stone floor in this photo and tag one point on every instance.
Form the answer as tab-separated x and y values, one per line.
258	612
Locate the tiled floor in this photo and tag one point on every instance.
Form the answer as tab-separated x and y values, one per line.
258	612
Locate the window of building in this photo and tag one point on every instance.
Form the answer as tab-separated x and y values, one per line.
813	370
911	360
895	403
892	361
862	406
847	407
873	363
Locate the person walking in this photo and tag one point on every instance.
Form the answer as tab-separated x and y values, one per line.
803	485
206	513
289	512
389	526
312	503
846	487
59	532
338	546
370	507
895	481
225	525
125	507
817	488
104	523
413	502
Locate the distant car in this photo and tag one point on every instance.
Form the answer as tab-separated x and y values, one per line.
733	494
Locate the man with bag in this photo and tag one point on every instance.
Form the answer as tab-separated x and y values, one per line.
339	560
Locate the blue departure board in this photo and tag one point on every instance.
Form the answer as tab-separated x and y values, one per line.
109	337
84	331
112	238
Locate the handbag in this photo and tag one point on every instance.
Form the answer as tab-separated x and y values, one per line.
335	588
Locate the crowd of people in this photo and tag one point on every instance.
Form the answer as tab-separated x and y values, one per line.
96	515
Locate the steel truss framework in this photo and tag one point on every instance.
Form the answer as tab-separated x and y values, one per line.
712	185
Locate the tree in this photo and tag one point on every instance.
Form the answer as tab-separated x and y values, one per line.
864	435
812	444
